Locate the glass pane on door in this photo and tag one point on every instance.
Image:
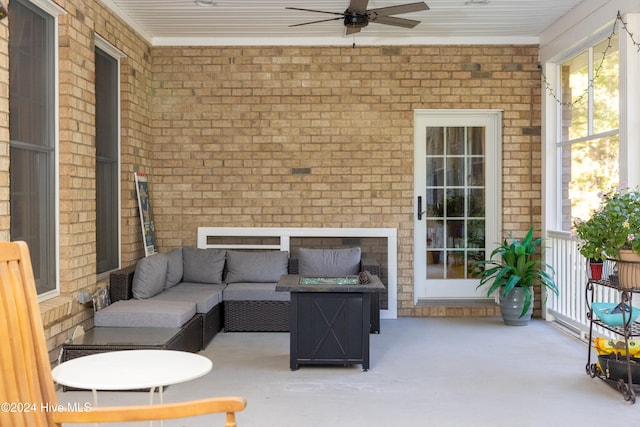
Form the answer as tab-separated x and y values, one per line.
455	200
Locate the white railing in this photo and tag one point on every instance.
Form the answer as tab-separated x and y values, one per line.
570	306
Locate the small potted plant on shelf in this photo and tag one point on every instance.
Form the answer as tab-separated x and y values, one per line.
613	231
590	245
514	269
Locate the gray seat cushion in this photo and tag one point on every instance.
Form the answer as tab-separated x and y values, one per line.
252	291
328	262
205	296
260	266
145	313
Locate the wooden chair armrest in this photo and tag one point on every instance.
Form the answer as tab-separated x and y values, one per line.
164	411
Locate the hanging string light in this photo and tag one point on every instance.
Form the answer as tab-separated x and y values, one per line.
626	29
597	69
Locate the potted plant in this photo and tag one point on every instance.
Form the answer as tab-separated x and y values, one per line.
613	231
596	267
514	270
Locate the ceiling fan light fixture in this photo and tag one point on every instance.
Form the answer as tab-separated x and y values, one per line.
353	19
205	3
357	16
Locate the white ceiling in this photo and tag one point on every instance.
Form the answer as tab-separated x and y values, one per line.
266	22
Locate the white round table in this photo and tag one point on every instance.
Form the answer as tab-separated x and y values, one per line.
131	370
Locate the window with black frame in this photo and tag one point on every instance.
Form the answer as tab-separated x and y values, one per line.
107	175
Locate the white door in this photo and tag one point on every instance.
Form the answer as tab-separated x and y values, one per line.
457	199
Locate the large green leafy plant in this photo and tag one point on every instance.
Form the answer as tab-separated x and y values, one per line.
614	225
515	264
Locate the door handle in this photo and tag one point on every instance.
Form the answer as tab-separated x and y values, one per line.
420	211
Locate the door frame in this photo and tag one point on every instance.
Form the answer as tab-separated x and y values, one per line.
457	117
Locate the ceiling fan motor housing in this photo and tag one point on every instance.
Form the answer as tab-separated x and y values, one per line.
354	19
357	16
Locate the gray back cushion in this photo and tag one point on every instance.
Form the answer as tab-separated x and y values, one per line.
174	267
202	265
150	276
329	262
259	267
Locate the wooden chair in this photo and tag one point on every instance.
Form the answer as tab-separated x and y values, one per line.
26	385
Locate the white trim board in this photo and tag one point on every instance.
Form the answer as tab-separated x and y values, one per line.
284	234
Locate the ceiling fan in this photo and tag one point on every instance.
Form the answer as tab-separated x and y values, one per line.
357	16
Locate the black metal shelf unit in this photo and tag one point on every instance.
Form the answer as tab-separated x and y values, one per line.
628	330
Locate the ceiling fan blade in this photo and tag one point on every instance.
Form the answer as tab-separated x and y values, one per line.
398	22
358	6
352	29
312	10
397	10
315	22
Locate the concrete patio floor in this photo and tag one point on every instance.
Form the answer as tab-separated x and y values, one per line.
444	372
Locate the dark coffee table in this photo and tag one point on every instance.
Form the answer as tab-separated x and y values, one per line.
104	339
101	339
329	319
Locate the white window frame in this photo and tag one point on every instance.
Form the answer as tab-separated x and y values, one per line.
629	122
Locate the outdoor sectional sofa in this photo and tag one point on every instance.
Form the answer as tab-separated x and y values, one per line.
202	291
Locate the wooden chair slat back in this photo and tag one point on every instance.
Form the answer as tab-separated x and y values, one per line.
26	383
25	380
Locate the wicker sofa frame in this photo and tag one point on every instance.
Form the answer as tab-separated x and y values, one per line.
196	333
237	316
273	316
